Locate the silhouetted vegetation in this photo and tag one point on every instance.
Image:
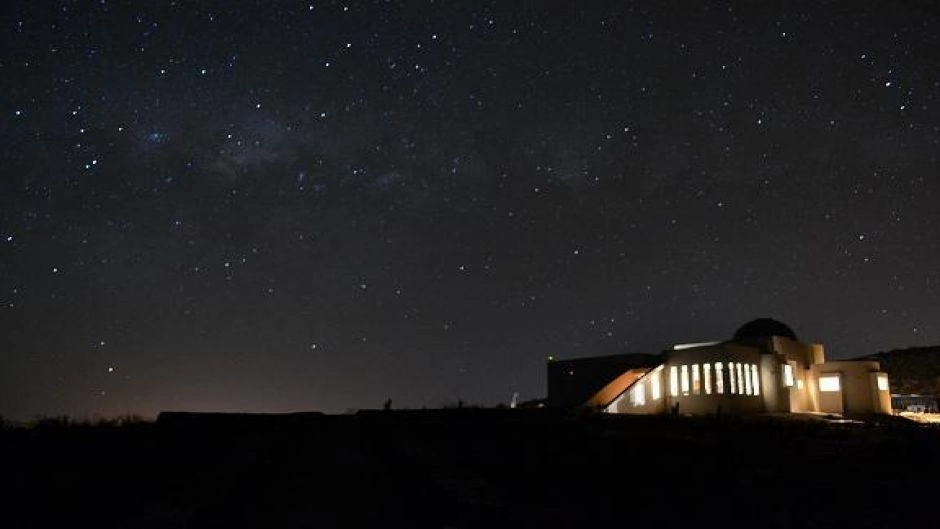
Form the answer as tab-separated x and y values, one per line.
64	421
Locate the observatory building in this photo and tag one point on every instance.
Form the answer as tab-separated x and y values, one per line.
762	368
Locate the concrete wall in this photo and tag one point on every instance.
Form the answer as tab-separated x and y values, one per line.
831	401
776	396
801	357
703	403
859	388
803	354
881	397
803	394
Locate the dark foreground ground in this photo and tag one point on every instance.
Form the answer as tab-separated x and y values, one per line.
471	468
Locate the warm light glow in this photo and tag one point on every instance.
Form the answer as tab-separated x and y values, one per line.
787	375
685	380
755	380
696	380
747	378
638	394
740	378
673	381
707	374
719	378
882	382
654	384
734	388
681	346
830	383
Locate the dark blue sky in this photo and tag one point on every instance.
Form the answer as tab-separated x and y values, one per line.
277	206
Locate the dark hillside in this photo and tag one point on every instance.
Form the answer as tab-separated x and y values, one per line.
467	468
914	370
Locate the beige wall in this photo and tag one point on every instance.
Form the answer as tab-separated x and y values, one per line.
805	360
803	395
714	403
776	396
831	401
881	399
803	354
859	388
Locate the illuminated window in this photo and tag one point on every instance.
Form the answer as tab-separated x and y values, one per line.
747	378
882	382
719	378
696	380
685	380
673	381
755	380
707	375
787	375
733	388
799	383
638	394
612	407
654	384
740	378
830	383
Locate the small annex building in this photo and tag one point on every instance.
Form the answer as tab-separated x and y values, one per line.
762	368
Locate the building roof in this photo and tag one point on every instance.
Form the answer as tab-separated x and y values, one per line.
572	382
762	328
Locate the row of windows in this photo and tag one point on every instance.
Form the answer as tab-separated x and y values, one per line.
743	379
638	391
827	383
698	379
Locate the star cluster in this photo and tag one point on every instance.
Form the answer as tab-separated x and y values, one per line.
321	205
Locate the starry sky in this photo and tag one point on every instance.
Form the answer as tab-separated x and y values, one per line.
276	206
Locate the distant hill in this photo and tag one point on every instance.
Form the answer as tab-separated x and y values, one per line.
913	370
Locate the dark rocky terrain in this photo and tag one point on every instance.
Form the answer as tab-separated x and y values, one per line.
469	468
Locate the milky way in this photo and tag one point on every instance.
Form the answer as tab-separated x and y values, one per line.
278	206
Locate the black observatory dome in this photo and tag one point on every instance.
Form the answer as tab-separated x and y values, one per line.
762	328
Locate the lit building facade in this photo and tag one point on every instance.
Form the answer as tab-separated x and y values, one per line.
763	368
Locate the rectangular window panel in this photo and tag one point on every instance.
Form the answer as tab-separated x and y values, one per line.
787	375
673	381
638	394
696	380
882	382
654	384
719	378
707	375
755	380
830	383
747	378
733	386
685	380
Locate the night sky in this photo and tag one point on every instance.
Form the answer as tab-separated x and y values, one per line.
317	206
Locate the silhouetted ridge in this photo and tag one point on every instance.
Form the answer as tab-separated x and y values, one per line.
915	370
